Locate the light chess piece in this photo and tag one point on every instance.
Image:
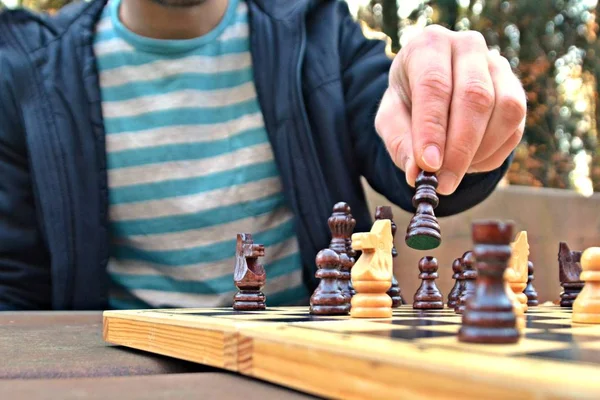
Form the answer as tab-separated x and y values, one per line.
519	260
385	212
509	274
372	272
586	307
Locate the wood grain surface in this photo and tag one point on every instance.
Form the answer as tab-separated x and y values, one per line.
210	385
412	355
36	345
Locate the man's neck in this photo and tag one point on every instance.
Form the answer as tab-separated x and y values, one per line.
150	19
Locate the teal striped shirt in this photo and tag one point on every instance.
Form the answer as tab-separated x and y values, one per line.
189	166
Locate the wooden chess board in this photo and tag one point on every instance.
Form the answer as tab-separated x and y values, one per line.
413	354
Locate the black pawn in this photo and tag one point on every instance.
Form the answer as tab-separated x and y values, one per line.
423	232
428	296
530	292
489	316
327	299
394	293
454	293
469	275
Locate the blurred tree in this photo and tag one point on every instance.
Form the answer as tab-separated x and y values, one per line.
552	46
390	21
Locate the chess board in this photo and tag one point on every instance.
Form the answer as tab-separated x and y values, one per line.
414	354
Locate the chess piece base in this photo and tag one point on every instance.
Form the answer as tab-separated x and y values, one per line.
330	310
394	293
453	296
371	305
570	293
494	327
423	239
586	309
521	323
371	312
566	302
523	300
428	305
249	301
532	303
396	301
481	335
567	299
249	306
586	318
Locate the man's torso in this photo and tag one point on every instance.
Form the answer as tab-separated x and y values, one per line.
189	166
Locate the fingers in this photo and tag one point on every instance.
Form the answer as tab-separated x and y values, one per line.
473	100
426	77
500	155
392	123
508	115
452	107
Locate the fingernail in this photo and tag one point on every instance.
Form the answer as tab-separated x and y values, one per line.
447	182
432	157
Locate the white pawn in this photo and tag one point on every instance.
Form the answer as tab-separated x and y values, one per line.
586	308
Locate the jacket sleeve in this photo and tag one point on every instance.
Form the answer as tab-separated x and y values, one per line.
24	261
365	79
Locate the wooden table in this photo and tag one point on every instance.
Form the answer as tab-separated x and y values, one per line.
62	355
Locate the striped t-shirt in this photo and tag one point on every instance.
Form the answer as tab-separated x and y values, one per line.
189	166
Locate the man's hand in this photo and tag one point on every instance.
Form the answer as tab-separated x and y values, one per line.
452	107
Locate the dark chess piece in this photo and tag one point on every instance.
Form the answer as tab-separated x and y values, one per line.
344	278
423	232
469	276
569	269
488	316
530	292
249	275
385	212
328	299
454	293
341	224
351	224
349	250
460	283
428	296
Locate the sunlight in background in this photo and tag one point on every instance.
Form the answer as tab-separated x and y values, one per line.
10	3
561	86
405	7
561	146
